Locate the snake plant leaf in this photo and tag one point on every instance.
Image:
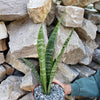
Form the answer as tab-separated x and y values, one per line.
41	54
57	61
50	50
35	72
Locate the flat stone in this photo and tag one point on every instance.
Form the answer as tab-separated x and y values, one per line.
74	52
10	88
73	19
96	56
3	45
83	70
98	40
13	9
26	33
2	60
38	10
95	18
3	30
65	74
87	31
29	96
29	81
81	3
97	5
2	72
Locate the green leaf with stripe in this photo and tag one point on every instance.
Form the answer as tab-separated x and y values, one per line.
50	50
41	54
57	62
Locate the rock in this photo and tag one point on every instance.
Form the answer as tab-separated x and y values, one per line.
9	69
26	33
73	19
74	52
3	45
2	60
65	74
83	70
29	81
51	15
95	18
88	58
96	56
29	96
81	3
87	31
10	88
98	40
19	64
3	30
98	26
13	9
38	10
94	65
97	5
2	73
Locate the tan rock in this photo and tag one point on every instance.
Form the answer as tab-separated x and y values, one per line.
38	10
81	3
29	81
97	5
75	50
73	15
10	88
98	40
87	31
13	9
26	33
3	45
65	74
2	60
3	31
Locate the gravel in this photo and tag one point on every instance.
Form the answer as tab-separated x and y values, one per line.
57	93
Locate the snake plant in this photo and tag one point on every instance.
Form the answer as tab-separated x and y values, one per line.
47	65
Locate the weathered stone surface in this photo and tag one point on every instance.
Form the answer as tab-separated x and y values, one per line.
65	74
98	26
3	30
97	5
10	88
2	72
94	65
38	10
95	18
98	40
13	9
9	69
96	56
29	81
3	45
83	70
75	50
29	96
81	3
2	60
87	31
73	19
51	15
26	33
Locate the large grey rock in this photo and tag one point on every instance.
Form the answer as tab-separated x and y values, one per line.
87	31
13	9
73	15
38	10
97	5
26	33
81	3
3	45
2	60
3	31
75	50
96	56
29	81
65	74
10	88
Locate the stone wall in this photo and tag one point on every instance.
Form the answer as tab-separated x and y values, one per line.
20	21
